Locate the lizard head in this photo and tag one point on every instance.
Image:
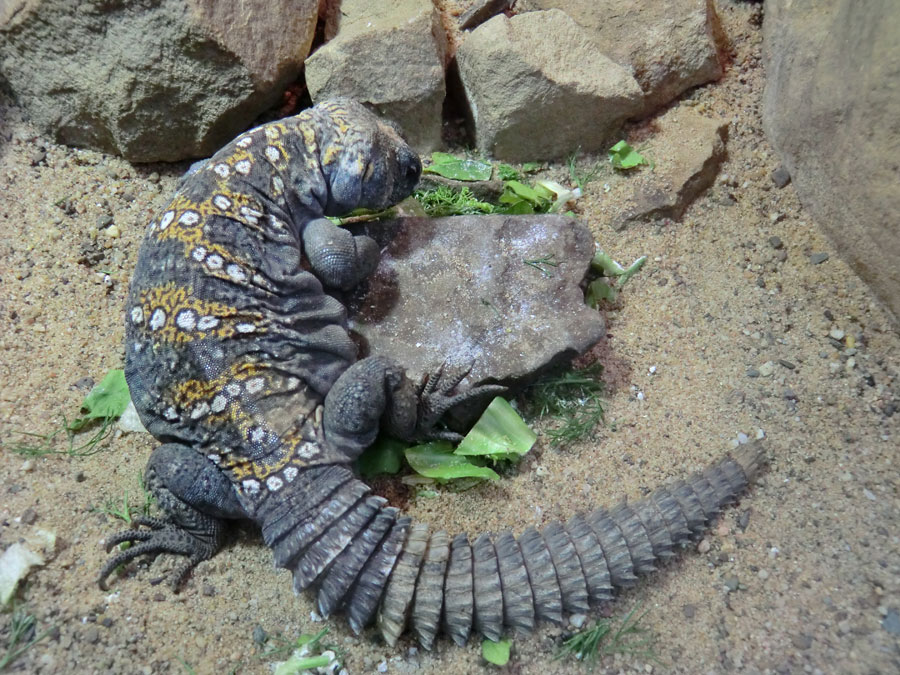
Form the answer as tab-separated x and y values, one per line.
365	160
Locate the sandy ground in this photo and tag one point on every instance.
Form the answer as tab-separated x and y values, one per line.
723	333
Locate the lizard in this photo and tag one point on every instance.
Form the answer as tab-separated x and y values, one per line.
239	361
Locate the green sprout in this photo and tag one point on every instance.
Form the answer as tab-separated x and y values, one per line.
21	636
601	289
604	639
624	157
572	400
104	404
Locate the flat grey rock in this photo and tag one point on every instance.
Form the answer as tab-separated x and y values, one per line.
461	289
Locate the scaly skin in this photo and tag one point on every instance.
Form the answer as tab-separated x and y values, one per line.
239	361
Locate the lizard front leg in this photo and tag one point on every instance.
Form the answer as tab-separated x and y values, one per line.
375	393
196	497
339	259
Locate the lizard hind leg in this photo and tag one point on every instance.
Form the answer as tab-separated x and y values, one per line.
196	497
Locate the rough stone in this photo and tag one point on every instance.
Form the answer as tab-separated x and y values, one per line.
688	150
832	73
669	46
390	55
529	99
459	289
159	81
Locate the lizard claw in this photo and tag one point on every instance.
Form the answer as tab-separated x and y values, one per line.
161	537
436	397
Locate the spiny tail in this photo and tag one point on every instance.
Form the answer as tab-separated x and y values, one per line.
374	565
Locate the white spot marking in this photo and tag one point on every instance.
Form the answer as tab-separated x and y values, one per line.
293	383
274	483
186	319
137	314
166	220
272	154
207	322
236	273
214	458
157	319
308	450
244	142
243	167
170	413
232	388
245	328
189	218
198	254
257	434
290	473
214	261
256	384
222	202
200	410
137	347
218	403
251	486
277	185
272	133
222	169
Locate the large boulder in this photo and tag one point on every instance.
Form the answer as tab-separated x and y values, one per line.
669	46
390	55
151	81
501	292
832	112
538	87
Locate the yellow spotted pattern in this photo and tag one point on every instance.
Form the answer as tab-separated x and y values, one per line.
173	299
192	393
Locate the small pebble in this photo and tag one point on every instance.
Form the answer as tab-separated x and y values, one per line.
689	611
112	232
703	546
752	372
868	493
107	622
802	641
91	635
744	520
29	516
790	394
732	583
767	369
818	258
781	177
382	667
891	621
37	156
208	591
577	620
776	243
259	635
836	334
722	530
159	597
787	364
763	575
